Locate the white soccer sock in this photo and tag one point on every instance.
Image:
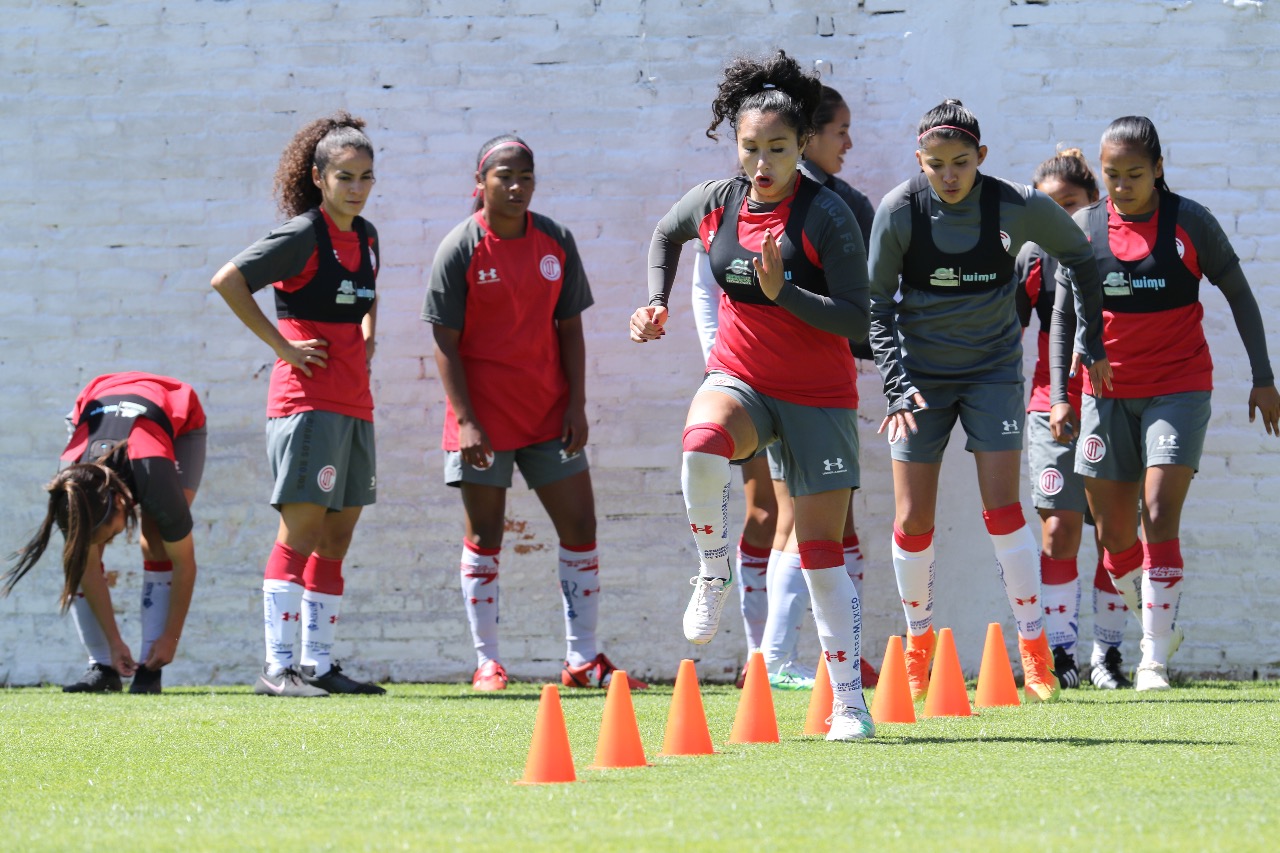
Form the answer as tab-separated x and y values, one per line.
788	601
92	637
319	629
913	566
1161	595
704	478
1126	575
156	585
1110	614
479	568
1018	562
753	592
1060	586
281	616
838	615
853	562
580	587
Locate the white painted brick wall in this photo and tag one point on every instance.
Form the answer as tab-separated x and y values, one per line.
140	141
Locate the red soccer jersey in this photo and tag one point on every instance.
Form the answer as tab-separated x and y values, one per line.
772	350
1154	353
147	439
506	296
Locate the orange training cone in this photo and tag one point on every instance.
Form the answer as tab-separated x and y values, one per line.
687	732
947	696
619	744
820	702
891	702
755	721
995	679
550	759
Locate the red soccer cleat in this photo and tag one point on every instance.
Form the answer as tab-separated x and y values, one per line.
489	677
595	673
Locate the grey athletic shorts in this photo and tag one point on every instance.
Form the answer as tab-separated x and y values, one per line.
817	446
992	415
189	456
540	464
1054	481
322	458
1121	438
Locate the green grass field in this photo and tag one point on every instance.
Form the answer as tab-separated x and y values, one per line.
432	766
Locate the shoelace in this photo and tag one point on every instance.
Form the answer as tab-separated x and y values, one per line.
703	594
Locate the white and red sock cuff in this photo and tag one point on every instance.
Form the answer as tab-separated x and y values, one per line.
1004	520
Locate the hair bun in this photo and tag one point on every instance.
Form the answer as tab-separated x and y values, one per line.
1071	152
953	102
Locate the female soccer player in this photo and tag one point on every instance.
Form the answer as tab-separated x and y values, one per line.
787	254
505	302
1057	491
1140	444
137	443
948	344
323	264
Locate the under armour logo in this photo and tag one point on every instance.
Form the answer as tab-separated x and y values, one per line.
1010	427
478	600
833	466
587	593
486	578
489	275
333	620
285	617
910	603
1061	608
1031	600
1154	606
706	528
1111	605
835	656
1167	441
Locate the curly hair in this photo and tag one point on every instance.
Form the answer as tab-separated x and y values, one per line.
1140	132
774	85
81	499
951	120
1068	166
315	145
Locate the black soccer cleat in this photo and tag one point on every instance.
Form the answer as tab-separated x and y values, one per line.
98	678
334	681
1064	667
1109	675
288	683
146	680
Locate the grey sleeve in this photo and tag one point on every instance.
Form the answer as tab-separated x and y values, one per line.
865	213
678	227
280	255
889	242
845	312
575	290
1062	332
446	301
1064	239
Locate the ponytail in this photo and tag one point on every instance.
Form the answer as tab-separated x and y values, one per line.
1139	132
82	498
315	145
777	85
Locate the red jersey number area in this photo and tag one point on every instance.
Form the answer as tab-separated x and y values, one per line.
509	345
341	386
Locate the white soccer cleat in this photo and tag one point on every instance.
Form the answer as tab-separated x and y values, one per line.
702	616
1150	676
1175	641
849	723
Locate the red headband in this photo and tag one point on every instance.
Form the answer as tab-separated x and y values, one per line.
480	165
948	127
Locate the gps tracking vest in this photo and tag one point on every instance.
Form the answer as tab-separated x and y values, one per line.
335	294
986	266
731	263
1158	282
110	419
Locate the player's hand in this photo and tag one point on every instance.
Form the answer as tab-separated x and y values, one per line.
474	445
648	323
122	660
1267	401
574	434
163	651
769	266
1063	423
1099	373
902	423
305	355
